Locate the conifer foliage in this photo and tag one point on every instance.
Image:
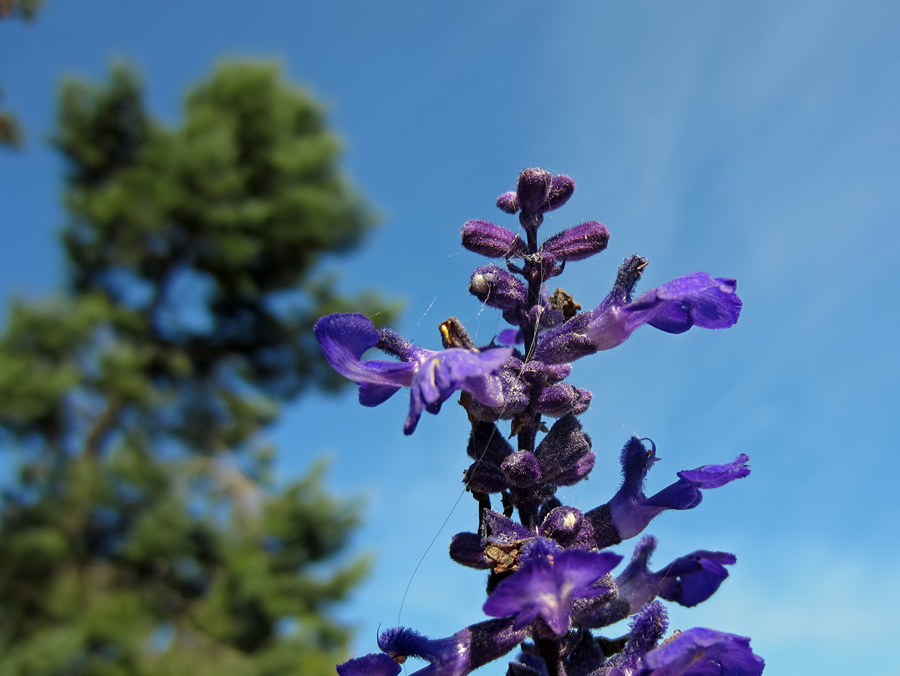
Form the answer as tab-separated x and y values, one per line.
144	533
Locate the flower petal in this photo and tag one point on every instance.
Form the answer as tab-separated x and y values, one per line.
704	651
455	369
345	337
693	300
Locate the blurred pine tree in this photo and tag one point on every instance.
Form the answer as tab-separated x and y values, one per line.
144	535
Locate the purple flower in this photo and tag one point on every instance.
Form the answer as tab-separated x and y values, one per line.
548	582
693	300
630	510
431	376
455	655
688	580
697	652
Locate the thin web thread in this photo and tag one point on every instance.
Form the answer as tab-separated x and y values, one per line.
465	487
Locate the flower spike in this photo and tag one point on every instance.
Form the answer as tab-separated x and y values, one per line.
549	586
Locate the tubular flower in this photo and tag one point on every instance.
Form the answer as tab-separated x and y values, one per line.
693	300
455	655
431	376
688	580
630	510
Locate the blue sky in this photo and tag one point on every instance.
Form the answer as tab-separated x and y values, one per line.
750	140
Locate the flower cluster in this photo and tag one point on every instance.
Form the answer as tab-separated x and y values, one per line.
550	581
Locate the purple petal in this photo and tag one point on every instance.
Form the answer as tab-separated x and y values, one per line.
693	300
692	579
344	338
511	337
688	580
713	476
456	369
704	651
547	583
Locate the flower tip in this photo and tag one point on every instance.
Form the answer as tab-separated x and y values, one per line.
508	202
533	189
561	189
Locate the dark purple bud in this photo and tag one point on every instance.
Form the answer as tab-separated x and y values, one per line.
467	549
557	400
563	524
521	469
508	202
564	447
493	241
577	471
505	530
488	448
578	243
533	189
497	287
561	189
557	372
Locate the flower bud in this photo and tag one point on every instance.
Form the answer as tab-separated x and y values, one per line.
533	190
578	243
561	398
508	202
497	287
521	469
493	241
563	525
561	189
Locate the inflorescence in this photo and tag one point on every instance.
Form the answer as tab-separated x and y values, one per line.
550	580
